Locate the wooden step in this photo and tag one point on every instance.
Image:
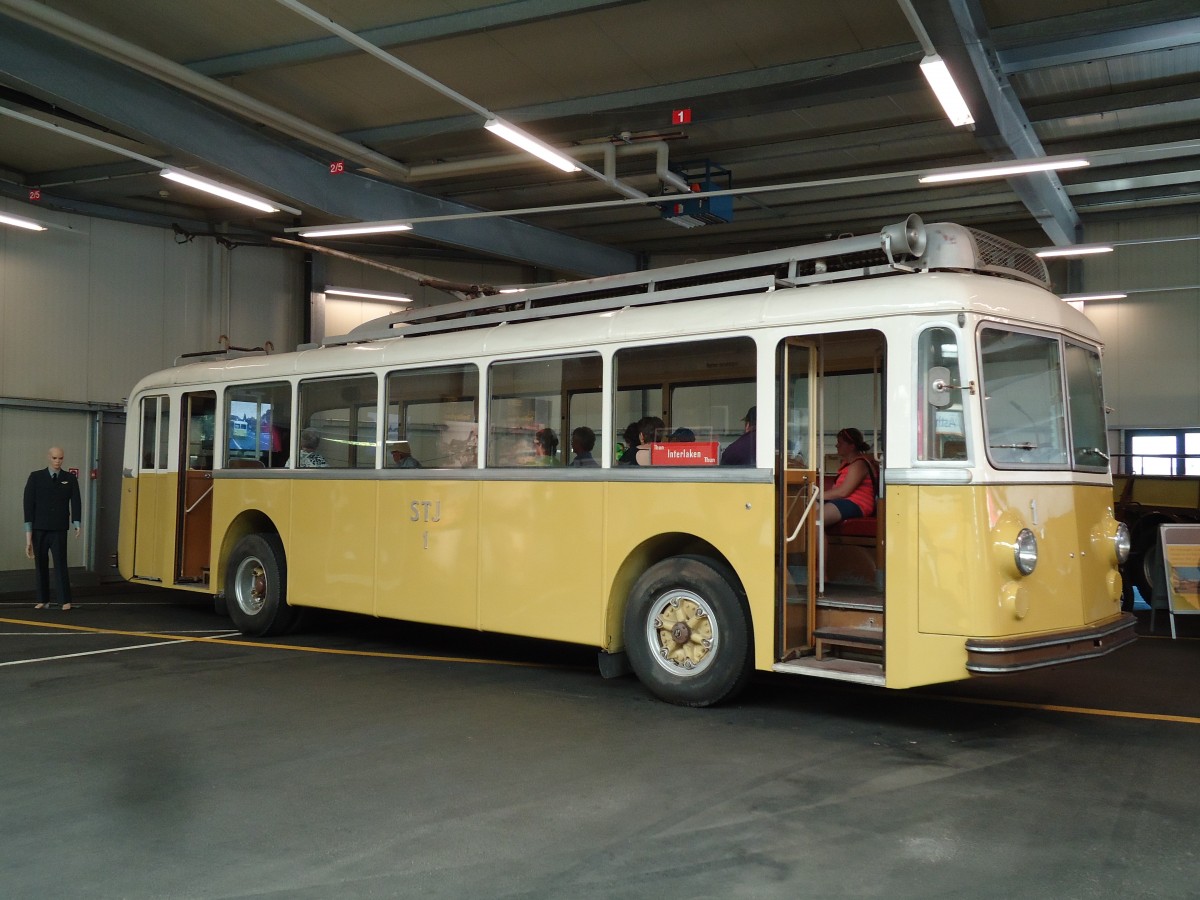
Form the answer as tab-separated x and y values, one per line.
868	640
856	671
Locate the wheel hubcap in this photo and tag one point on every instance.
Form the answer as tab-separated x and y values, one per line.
250	586
682	633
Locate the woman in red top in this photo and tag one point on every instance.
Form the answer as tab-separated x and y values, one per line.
853	493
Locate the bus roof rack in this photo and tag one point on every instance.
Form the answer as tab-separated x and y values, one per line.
904	247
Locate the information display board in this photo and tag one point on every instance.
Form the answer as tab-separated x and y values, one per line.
1181	562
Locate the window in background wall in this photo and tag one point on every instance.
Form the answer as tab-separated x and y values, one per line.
1161	451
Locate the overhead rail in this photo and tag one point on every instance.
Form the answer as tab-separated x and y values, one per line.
904	247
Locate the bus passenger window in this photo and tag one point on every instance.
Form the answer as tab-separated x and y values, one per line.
150	425
432	418
527	404
699	390
338	418
258	425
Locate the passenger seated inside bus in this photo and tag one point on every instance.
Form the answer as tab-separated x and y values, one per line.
545	448
682	436
853	493
628	446
742	451
583	439
310	439
650	429
402	457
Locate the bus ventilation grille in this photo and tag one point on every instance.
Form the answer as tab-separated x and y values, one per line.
995	254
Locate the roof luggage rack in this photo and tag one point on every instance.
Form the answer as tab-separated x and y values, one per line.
907	246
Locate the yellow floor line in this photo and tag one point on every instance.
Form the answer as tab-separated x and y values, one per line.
379	654
1076	710
267	645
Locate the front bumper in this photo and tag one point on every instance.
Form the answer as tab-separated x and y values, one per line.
1001	656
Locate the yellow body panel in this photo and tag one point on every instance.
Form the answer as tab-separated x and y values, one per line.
126	537
912	656
331	550
968	580
155	500
951	573
427	555
550	560
540	550
557	559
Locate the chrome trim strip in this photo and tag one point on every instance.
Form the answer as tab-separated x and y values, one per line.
1053	641
714	475
927	476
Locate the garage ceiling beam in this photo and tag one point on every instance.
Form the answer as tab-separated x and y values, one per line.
144	108
960	33
1141	39
473	21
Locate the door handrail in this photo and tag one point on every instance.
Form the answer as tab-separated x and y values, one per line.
198	499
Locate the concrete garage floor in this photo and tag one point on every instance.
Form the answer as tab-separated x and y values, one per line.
368	766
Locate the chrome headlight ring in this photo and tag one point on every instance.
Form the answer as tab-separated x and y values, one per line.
1025	551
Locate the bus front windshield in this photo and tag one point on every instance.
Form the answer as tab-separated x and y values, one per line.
1042	402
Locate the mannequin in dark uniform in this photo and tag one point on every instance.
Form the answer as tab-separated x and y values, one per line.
52	505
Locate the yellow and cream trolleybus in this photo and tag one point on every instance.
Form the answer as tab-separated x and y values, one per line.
549	464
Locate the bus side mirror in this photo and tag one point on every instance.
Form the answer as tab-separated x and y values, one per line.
939	386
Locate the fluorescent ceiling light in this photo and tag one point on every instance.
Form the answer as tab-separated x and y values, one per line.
20	222
369	295
1080	298
939	78
1075	251
1001	171
512	290
215	187
362	228
530	145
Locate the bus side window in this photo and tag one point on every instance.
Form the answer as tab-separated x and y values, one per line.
526	411
432	418
700	389
338	423
258	424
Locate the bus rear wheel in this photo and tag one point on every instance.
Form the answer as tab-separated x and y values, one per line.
687	632
255	586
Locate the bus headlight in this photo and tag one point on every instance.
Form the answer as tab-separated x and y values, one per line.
1122	542
1025	551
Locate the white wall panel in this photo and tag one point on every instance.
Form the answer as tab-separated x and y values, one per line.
1152	338
265	286
127	313
44	331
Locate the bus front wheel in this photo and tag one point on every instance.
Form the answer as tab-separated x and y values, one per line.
255	585
687	632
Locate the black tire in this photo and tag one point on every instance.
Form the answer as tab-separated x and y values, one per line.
220	606
1145	557
256	585
687	632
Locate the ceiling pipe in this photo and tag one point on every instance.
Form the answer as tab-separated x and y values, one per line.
445	90
609	150
211	90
